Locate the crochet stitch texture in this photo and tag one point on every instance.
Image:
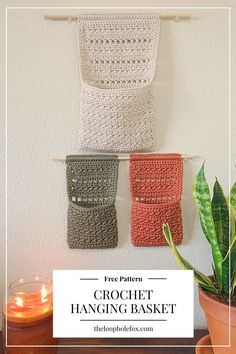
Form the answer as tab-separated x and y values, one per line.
91	188
156	188
118	55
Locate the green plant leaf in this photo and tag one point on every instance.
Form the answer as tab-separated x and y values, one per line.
233	256
232	248
233	285
233	196
233	211
220	214
202	197
232	222
228	272
225	277
202	279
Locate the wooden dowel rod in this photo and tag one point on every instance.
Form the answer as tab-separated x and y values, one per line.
174	17
126	157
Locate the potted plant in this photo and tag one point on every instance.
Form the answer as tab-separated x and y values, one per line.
218	291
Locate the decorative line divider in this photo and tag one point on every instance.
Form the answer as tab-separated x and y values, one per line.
127	157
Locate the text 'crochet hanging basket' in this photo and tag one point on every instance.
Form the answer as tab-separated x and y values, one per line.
91	188
118	57
156	188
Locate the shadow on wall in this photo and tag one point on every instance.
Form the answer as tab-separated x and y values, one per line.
187	203
123	204
163	89
163	102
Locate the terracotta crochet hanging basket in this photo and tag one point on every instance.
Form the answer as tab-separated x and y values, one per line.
217	316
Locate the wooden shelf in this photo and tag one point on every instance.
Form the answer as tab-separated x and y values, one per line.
126	341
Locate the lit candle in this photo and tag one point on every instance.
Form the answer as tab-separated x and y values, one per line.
28	316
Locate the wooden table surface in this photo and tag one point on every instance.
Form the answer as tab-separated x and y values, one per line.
127	341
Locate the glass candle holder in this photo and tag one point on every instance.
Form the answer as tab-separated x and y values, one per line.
27	316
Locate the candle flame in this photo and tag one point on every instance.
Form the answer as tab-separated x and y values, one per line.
43	294
19	301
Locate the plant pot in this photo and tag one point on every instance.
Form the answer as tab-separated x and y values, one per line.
217	316
204	346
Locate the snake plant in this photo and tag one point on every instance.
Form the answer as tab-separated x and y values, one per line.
218	221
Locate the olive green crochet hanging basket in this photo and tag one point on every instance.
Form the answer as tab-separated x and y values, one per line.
91	188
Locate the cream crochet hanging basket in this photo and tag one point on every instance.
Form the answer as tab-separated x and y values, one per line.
118	55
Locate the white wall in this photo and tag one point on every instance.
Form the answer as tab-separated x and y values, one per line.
192	99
